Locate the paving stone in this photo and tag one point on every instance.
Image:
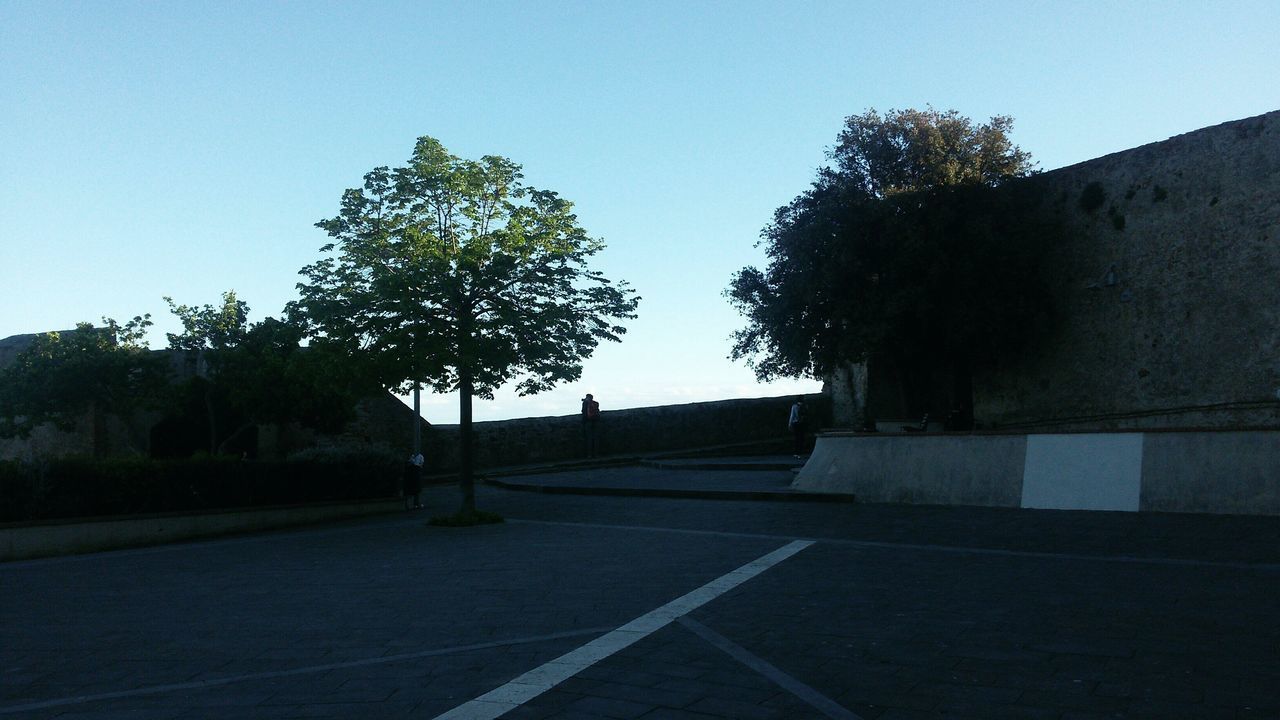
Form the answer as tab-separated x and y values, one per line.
609	707
665	713
896	612
737	709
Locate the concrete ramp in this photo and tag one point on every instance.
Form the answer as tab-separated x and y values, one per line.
918	468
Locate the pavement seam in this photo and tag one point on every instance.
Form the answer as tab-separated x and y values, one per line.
677	493
250	536
817	700
952	549
215	682
539	680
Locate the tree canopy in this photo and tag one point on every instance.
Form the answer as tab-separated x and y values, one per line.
211	327
454	274
249	374
910	245
61	375
914	150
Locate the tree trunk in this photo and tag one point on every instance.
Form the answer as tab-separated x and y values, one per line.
466	458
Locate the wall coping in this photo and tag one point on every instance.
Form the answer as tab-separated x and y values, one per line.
621	411
1004	433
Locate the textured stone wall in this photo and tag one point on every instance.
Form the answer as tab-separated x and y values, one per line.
47	441
1166	289
847	389
622	432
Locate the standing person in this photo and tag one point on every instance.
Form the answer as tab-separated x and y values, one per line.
797	424
590	417
413	482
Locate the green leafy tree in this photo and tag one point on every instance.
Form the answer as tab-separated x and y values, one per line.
452	273
62	375
206	332
270	377
911	247
211	327
246	375
914	150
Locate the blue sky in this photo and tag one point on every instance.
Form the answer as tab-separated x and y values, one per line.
183	149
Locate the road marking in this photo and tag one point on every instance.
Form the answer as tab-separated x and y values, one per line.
952	549
342	526
820	702
215	682
524	688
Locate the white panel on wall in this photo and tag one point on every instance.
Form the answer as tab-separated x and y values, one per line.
1086	471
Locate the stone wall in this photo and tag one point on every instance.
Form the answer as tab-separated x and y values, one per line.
1167	305
847	389
622	432
48	441
1166	291
384	421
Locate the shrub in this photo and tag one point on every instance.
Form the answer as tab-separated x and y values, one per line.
1092	197
85	487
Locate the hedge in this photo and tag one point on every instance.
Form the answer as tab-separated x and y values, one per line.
83	487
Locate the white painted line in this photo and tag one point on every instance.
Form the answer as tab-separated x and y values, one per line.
502	700
312	669
817	700
949	549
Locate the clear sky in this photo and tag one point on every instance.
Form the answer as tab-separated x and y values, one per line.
187	148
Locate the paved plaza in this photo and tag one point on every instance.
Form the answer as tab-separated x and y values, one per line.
583	606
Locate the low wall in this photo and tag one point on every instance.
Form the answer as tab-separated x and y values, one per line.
1204	471
622	432
20	542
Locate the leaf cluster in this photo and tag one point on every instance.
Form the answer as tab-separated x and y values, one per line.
261	373
270	377
913	150
211	327
912	245
61	375
448	270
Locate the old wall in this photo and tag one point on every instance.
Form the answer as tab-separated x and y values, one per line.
1165	289
622	432
846	388
47	441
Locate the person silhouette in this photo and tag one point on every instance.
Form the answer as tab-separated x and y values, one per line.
797	423
590	418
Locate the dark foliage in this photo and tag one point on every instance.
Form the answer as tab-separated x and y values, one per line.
951	272
60	376
918	242
1092	197
84	487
